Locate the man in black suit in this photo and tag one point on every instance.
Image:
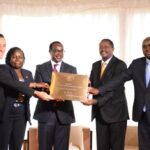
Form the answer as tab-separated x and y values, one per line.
110	110
139	72
54	117
15	85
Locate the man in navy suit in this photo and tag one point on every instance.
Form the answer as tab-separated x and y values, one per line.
139	72
110	110
54	117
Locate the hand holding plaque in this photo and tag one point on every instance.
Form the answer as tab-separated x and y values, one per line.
69	86
40	86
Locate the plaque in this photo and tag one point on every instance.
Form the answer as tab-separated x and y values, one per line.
69	86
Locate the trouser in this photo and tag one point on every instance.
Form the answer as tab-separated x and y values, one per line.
144	133
53	134
12	134
110	136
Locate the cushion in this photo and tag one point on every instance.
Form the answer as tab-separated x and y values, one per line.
73	147
131	148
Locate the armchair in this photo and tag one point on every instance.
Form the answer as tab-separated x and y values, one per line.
80	138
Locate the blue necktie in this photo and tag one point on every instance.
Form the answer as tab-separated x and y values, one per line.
147	73
147	77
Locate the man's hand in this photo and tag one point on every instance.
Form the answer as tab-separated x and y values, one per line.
89	102
39	85
42	95
59	99
93	91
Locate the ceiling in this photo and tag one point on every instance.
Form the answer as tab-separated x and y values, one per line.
63	6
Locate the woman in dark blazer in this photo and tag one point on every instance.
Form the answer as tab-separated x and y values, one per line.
16	111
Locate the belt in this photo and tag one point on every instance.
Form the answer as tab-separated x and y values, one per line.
20	98
16	105
54	104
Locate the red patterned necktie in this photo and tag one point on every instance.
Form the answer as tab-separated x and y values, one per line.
54	68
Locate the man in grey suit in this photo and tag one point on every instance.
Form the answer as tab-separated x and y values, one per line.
54	117
139	72
110	110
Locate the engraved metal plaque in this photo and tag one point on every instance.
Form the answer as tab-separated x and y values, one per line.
69	86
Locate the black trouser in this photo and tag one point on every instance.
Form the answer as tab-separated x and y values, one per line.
110	136
144	133
12	134
53	134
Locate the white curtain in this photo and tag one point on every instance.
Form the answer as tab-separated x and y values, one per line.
79	25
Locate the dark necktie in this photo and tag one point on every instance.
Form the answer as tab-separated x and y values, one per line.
55	68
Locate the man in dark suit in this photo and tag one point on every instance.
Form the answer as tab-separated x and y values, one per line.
15	85
139	72
110	110
54	117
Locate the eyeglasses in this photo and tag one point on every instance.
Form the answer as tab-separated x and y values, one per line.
146	46
58	51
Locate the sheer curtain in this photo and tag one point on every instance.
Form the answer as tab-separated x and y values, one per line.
79	25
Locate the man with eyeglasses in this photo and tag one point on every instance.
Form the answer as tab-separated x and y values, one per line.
139	72
54	118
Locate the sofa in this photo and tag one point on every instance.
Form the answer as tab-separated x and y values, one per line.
131	139
80	139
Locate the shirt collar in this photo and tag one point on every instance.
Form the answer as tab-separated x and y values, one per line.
147	61
107	61
59	63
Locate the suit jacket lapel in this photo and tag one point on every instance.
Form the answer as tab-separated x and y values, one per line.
109	66
148	85
24	74
49	69
13	74
141	72
27	78
98	70
63	67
